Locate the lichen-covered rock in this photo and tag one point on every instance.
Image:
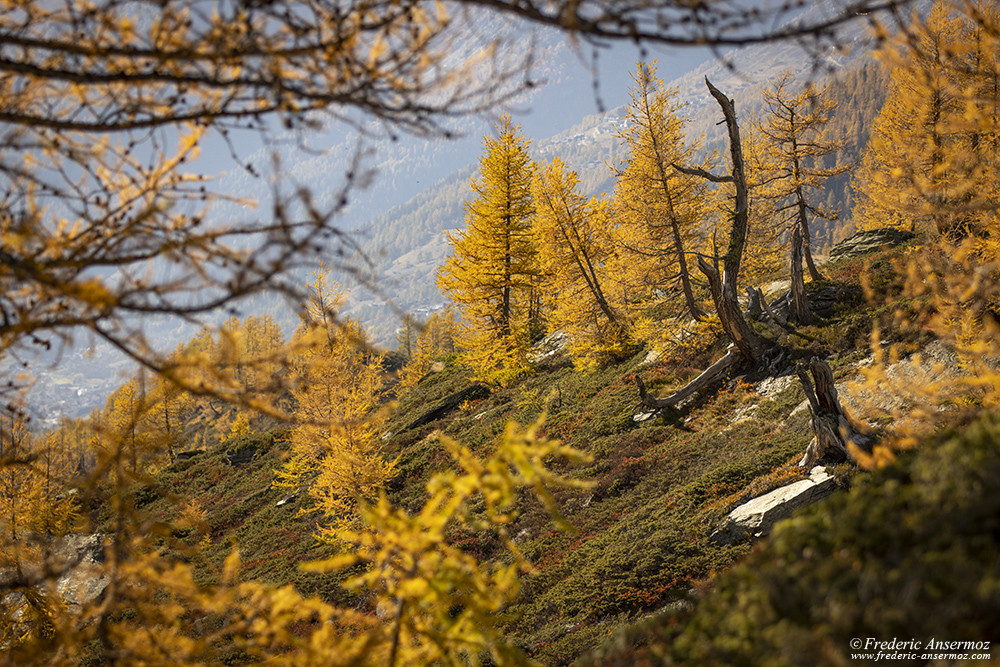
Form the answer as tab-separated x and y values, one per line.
756	517
549	348
84	579
76	562
869	241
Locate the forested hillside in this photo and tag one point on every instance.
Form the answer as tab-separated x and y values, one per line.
406	244
728	399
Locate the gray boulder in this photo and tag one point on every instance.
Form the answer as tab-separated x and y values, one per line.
869	241
756	517
77	563
85	578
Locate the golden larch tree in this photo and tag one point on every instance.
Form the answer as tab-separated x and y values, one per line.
910	174
660	211
492	272
792	165
338	387
574	248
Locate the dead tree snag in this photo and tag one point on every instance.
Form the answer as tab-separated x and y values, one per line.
833	430
748	348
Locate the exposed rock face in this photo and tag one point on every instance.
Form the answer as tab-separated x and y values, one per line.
548	349
756	517
77	563
821	301
241	456
85	580
869	241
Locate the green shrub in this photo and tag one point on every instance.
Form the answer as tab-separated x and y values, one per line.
911	552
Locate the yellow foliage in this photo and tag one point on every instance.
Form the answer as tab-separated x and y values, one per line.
421	579
338	389
492	273
239	427
574	251
437	336
661	214
931	163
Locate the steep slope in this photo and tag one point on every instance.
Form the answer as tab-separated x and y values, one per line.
909	554
641	532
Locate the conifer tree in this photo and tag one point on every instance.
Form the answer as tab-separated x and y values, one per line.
337	390
660	211
406	337
910	174
125	411
492	271
434	338
795	147
168	402
574	247
16	481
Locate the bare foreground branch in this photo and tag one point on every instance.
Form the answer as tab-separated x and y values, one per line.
102	107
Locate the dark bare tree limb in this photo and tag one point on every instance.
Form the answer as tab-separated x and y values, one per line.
707	175
777	319
710	376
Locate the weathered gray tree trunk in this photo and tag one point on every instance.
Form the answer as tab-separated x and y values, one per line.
724	287
748	346
798	310
754	309
833	432
711	375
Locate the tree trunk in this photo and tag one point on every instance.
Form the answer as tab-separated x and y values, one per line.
771	314
684	272
714	373
799	307
800	201
731	317
724	291
748	346
834	433
814	273
754	309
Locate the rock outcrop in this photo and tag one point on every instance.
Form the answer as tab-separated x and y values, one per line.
756	517
868	241
76	563
549	349
85	579
821	302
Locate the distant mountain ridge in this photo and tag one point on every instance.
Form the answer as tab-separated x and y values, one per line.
407	243
420	186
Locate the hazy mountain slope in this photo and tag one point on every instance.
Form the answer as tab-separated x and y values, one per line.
399	220
406	244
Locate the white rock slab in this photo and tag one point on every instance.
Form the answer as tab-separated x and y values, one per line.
756	517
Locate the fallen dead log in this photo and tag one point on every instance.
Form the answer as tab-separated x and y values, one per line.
449	403
710	376
833	431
